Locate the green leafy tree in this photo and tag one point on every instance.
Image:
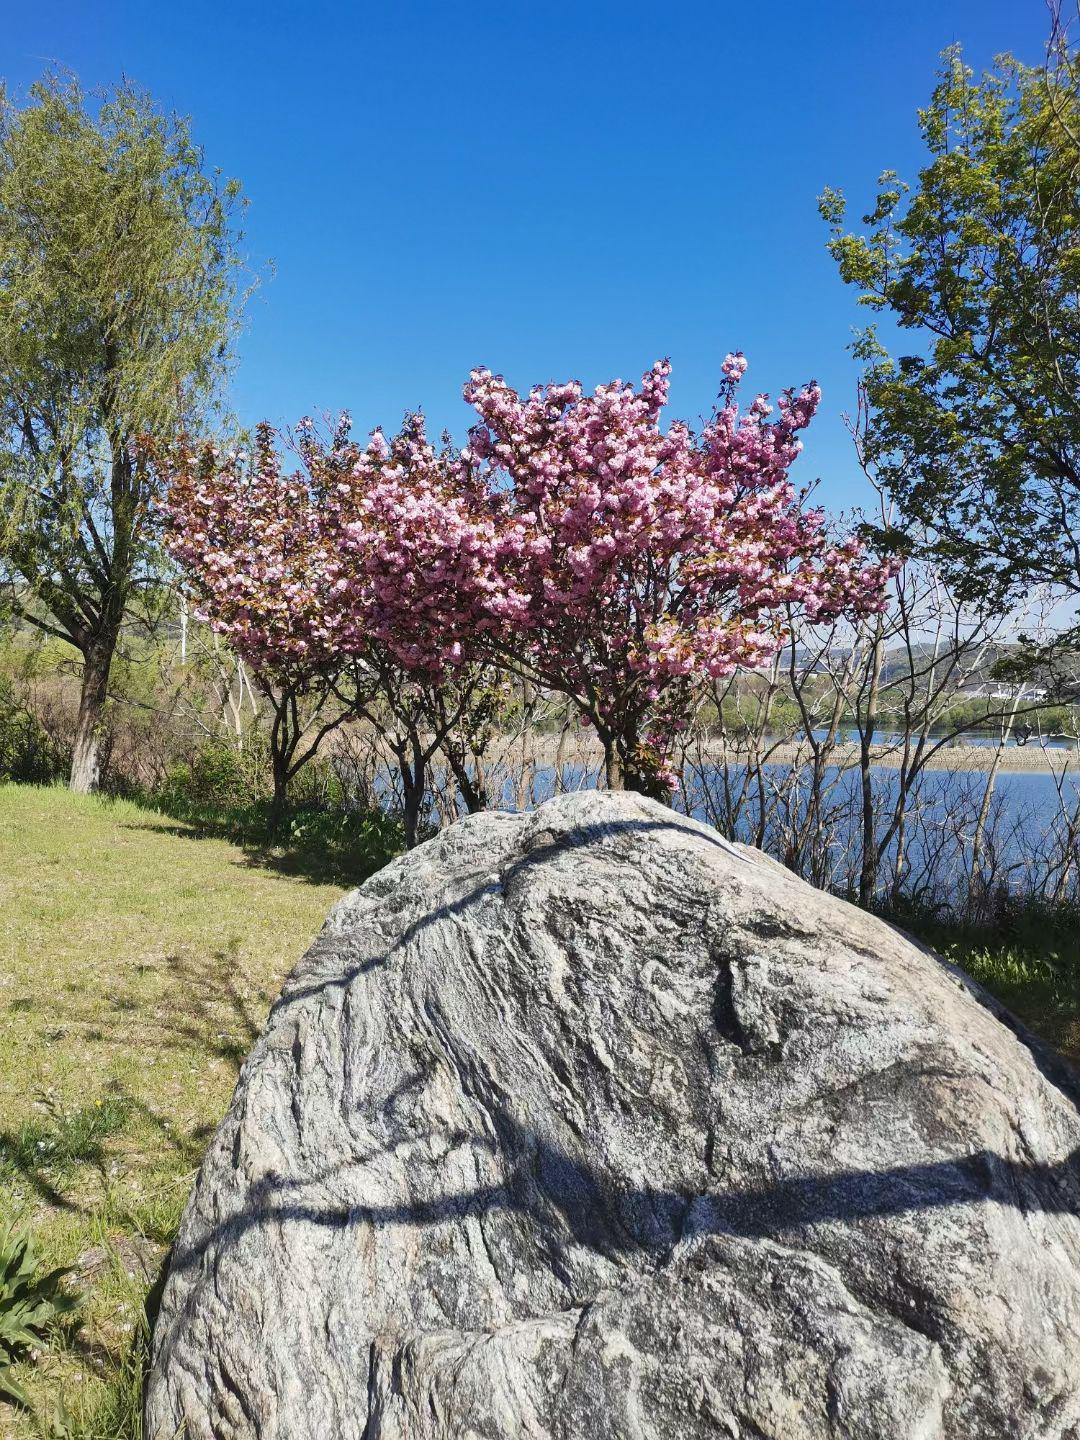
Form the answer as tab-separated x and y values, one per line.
118	302
977	435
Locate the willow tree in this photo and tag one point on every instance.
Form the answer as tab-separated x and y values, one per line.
118	302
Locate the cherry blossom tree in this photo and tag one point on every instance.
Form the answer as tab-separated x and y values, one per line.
574	542
248	539
423	697
582	546
257	546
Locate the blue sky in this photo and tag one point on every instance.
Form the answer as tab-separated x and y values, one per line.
547	190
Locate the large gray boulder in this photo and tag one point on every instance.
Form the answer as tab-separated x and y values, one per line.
586	1123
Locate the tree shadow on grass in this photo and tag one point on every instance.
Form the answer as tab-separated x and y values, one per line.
208	997
202	1006
320	849
188	1147
51	1152
15	1167
205	1010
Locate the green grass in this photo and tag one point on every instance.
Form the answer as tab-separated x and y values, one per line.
327	846
1029	960
138	958
1040	991
57	1144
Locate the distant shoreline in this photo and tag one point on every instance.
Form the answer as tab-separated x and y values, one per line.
1031	758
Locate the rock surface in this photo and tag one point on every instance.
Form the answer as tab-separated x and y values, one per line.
589	1124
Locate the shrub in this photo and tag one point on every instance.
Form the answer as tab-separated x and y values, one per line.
216	776
325	829
28	754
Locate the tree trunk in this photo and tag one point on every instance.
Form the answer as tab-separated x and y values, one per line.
284	737
470	787
86	753
871	856
614	774
625	771
102	639
279	802
413	801
413	788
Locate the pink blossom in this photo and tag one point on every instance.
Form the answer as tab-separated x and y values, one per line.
573	540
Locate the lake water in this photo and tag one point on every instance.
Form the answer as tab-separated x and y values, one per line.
1029	809
1029	817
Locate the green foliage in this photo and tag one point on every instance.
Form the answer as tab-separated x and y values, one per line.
64	1140
27	754
743	715
979	715
118	269
320	832
32	1301
116	309
217	776
115	257
327	843
361	841
974	714
977	435
1026	953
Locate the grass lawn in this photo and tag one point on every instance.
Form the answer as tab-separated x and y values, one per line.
137	964
1031	964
